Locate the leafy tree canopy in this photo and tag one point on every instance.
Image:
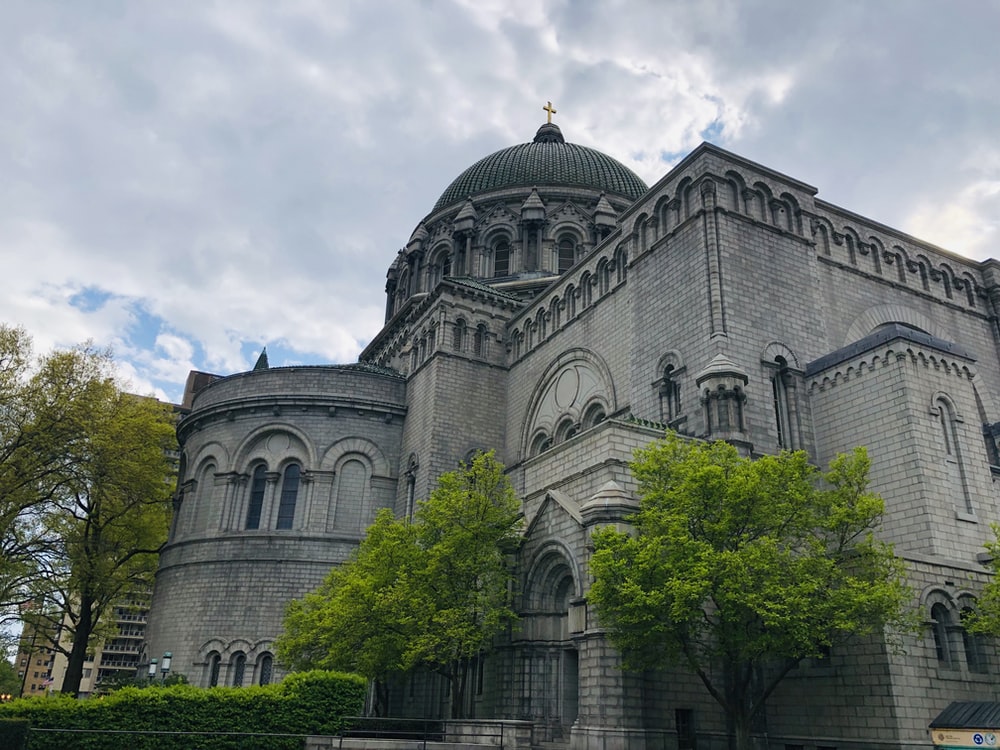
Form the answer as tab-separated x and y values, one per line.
739	568
431	593
985	620
85	484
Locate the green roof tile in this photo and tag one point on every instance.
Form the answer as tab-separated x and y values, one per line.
547	161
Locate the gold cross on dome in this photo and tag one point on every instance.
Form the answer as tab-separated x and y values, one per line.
548	108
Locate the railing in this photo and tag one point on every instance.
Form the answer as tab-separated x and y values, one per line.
495	734
162	740
492	733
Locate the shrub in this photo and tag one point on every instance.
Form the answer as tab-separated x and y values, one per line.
13	733
307	703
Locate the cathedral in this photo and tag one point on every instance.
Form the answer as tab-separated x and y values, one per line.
555	308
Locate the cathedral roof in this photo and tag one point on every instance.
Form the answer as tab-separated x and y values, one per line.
547	160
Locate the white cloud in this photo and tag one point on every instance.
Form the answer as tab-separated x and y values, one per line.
233	175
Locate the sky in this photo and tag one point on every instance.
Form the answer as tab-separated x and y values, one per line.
189	181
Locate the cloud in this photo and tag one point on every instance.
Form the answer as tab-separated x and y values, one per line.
189	182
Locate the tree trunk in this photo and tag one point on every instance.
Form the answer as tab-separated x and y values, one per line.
740	724
738	703
458	680
78	654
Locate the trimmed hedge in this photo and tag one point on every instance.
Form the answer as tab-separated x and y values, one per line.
13	734
304	703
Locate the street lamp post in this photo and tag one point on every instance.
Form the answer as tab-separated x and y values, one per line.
165	664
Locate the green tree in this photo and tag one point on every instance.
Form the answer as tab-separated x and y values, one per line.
85	486
985	620
43	412
10	683
428	594
741	568
359	619
466	529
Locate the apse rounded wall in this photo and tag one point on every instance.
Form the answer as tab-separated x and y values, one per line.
282	471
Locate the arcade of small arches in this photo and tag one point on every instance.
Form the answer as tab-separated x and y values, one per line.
342	494
497	246
239	664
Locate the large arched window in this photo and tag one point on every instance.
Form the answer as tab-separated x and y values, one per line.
258	484
237	669
201	513
265	669
567	253
289	494
501	258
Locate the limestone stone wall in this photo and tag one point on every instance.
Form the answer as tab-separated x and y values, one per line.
223	581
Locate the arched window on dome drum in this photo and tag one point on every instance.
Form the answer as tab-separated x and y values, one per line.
289	494
258	484
567	253
501	258
458	335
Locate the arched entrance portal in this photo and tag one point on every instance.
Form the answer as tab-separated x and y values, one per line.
549	661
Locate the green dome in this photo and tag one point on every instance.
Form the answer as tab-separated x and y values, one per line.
548	160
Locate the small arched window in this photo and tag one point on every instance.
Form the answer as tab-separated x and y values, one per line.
289	494
265	669
593	416
567	253
479	345
940	624
540	444
458	335
258	484
975	654
501	258
214	662
565	430
237	669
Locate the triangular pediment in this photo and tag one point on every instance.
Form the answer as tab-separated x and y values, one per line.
556	502
569	210
498	213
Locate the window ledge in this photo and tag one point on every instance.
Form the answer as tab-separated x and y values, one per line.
961	515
